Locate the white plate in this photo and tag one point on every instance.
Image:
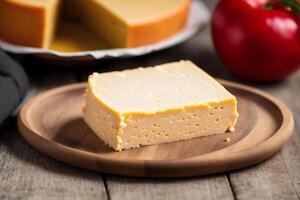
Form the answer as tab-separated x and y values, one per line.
198	18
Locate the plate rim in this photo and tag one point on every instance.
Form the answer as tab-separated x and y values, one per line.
190	166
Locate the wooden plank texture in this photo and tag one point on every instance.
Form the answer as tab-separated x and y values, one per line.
26	173
210	187
288	92
269	180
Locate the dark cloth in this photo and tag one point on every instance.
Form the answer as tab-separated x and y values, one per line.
13	85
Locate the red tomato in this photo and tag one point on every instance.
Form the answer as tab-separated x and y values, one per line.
255	42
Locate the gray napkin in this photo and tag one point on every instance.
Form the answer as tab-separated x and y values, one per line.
13	85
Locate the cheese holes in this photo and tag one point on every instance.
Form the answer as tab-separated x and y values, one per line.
134	120
155	126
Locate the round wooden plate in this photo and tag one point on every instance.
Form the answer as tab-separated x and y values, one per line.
52	123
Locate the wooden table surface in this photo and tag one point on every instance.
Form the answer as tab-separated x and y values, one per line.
25	173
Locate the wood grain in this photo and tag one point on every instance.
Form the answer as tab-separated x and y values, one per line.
288	93
210	187
27	174
269	180
58	130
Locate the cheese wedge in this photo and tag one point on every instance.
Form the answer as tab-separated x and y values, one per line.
118	23
165	103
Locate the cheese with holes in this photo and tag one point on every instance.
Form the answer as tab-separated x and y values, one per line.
118	23
165	103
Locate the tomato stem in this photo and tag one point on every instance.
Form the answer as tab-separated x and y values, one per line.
294	5
269	4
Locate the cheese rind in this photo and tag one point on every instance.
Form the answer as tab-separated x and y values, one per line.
153	105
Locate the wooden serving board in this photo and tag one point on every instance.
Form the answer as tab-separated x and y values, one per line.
52	123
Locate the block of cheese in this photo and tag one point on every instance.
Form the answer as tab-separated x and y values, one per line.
165	103
120	24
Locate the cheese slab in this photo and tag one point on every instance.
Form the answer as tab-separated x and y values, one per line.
131	24
165	103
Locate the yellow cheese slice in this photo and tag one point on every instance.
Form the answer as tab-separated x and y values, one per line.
165	103
116	22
